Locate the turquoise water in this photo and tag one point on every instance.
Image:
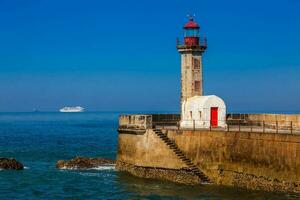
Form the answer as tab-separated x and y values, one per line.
38	140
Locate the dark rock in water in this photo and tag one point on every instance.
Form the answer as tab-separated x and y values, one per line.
83	163
10	163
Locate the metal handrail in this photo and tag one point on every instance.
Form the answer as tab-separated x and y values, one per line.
291	127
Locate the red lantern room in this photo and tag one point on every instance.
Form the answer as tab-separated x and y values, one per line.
191	33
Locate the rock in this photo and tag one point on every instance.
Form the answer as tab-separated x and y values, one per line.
83	163
10	163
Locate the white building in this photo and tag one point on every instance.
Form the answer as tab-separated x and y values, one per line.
203	112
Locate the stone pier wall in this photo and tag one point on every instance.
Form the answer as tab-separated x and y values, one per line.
146	155
251	160
146	150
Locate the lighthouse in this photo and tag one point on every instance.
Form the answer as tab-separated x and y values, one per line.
191	60
197	110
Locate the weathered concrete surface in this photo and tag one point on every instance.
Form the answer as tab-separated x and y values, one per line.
135	121
175	175
191	74
250	160
146	150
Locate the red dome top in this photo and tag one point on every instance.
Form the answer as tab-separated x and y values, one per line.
191	24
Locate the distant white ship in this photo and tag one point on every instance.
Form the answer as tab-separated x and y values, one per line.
72	109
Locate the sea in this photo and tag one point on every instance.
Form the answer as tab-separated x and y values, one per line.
39	140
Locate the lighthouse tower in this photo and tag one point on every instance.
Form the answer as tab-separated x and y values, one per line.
197	111
191	61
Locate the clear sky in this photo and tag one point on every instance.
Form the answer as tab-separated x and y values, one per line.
121	55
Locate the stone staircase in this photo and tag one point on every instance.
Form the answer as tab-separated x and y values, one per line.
191	166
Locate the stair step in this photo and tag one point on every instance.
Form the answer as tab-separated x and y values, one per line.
203	177
172	145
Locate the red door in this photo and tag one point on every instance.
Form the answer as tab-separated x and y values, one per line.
214	116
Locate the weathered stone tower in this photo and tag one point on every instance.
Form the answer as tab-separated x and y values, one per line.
191	61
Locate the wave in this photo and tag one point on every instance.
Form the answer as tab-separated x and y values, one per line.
23	168
100	168
105	167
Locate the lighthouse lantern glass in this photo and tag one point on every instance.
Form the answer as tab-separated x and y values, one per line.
191	33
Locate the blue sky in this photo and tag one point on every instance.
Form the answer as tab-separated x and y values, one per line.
121	55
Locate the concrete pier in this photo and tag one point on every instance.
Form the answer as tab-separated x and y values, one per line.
254	160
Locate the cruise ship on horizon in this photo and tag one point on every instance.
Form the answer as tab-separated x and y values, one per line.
72	109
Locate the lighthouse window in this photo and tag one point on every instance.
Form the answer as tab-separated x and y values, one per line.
196	63
197	86
191	33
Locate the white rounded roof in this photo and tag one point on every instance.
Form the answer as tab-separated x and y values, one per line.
204	102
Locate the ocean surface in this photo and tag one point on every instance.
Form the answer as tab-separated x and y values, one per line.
38	140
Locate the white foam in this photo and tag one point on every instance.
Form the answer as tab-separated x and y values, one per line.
104	167
26	167
68	168
95	174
